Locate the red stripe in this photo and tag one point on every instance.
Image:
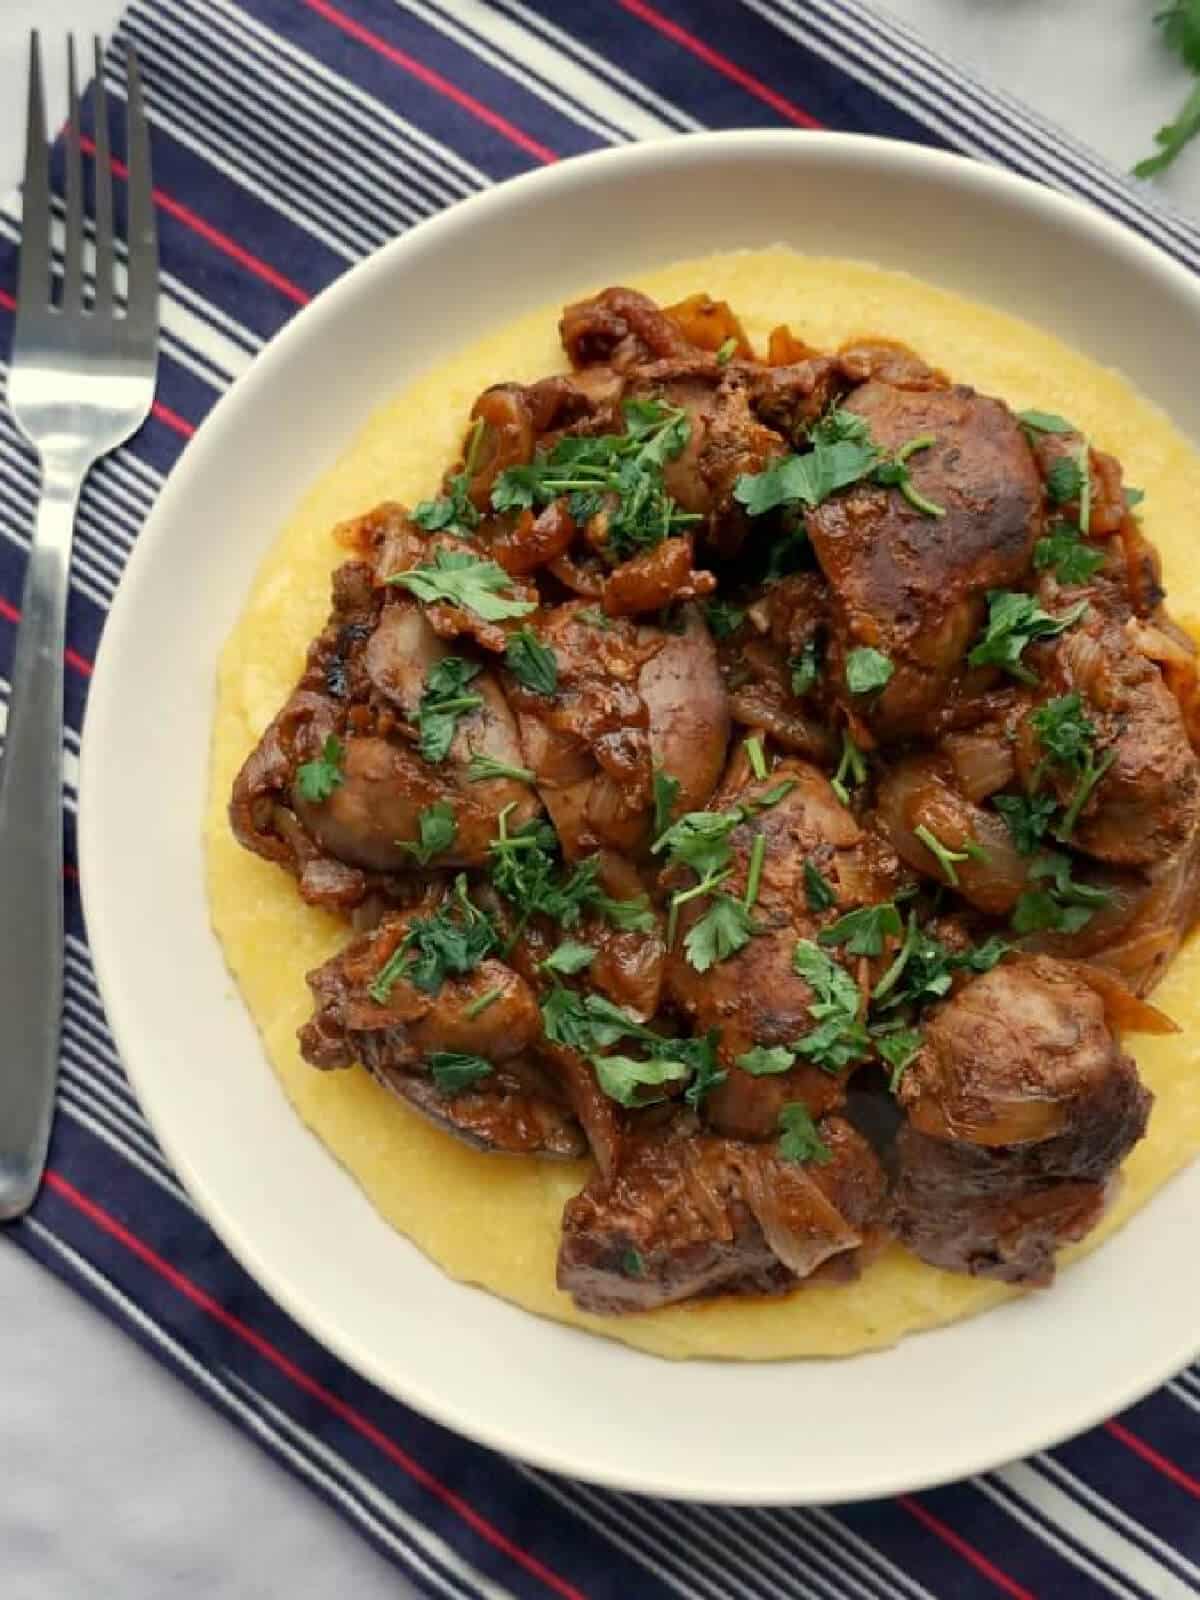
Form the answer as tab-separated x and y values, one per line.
722	64
70	872
7	301
1150	1454
433	80
191	1291
214	236
72	657
173	419
967	1551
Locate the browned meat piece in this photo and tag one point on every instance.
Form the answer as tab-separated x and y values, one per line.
515	417
1146	806
755	996
981	861
620	328
1020	1107
913	585
791	398
627	699
519	1107
687	1215
709	325
888	361
522	544
658	577
783	631
1107	498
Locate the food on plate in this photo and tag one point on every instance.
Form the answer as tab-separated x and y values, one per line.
730	826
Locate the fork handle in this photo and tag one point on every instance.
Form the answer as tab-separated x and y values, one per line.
31	851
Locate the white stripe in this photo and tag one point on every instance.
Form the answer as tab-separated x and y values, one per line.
70	761
809	1543
999	1493
81	1114
1092	1532
602	1519
734	1530
1182	1394
843	1539
95	571
1114	1517
92	1092
1190	1378
255	1423
80	580
540	69
383	1504
672	117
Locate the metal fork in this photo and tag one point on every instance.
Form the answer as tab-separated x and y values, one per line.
81	381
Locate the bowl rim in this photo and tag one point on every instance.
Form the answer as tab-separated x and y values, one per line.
119	996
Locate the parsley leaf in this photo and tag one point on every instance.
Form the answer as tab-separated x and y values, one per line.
632	1264
702	1054
443	701
454	510
1064	732
805	668
864	930
437	831
833	463
570	957
1015	620
700	840
817	890
1133	497
450	942
839	1037
1064	480
899	1048
484	769
723	619
945	857
622	1078
798	1137
1026	817
1064	907
531	662
666	793
464	580
867	669
762	1061
896	474
1044	422
1173	136
316	780
525	870
721	932
455	1070
1072	560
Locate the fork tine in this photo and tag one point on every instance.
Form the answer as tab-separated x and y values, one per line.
33	283
143	240
103	303
72	288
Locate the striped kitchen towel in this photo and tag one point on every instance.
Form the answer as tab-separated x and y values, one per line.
291	138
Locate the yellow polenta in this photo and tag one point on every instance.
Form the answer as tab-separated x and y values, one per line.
494	1220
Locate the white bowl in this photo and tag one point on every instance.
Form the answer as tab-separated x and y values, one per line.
941	1404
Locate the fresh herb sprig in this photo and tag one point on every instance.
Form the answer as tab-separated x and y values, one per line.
1180	24
444	699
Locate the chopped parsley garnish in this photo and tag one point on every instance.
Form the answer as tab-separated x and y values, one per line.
455	1070
450	942
531	662
896	474
818	893
437	831
619	474
851	771
723	930
700	840
1064	480
726	351
864	930
702	1053
723	619
1085	488
867	670
1064	906
842	453
899	1048
763	1060
1044	422
456	578
594	618
316	780
632	1265
758	855
1026	817
805	668
1015	620
623	1078
454	510
798	1137
526	872
756	757
839	1038
478	1007
1072	560
666	794
483	769
924	968
1069	739
946	858
1133	497
570	957
443	700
